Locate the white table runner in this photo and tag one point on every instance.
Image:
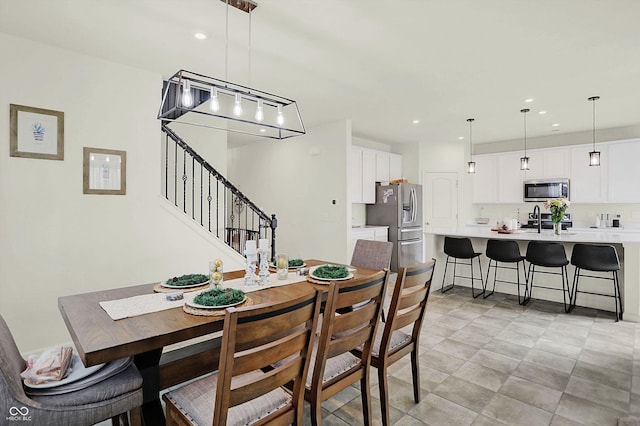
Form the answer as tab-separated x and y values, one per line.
156	302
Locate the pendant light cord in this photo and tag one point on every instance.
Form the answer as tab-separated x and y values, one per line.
470	120
594	124
226	43
525	111
249	48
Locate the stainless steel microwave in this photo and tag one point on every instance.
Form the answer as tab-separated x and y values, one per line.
544	189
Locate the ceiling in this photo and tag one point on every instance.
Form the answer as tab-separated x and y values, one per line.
380	63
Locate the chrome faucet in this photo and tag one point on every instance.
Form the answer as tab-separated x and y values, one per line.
537	217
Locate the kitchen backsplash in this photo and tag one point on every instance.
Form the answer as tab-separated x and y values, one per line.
584	214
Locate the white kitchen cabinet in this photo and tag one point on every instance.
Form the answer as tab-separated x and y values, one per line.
382	166
485	179
395	166
356	174
588	184
510	178
548	163
388	166
363	175
623	172
368	176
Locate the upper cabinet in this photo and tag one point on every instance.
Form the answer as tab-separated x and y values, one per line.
388	166
548	163
369	166
363	174
623	173
498	177
485	178
395	166
510	178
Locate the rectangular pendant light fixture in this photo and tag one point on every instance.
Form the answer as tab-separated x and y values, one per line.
196	99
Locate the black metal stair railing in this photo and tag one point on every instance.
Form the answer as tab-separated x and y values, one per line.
201	192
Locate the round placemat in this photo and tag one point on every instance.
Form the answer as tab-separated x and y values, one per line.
316	281
213	312
158	288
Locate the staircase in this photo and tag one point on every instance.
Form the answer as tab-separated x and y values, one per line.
196	188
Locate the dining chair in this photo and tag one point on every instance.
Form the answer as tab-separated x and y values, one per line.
263	348
334	366
111	398
372	254
392	342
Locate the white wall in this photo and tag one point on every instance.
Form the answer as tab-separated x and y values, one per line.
57	241
297	179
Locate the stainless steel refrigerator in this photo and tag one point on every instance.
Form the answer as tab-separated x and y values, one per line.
400	208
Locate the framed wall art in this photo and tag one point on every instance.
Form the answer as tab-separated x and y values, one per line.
104	171
36	133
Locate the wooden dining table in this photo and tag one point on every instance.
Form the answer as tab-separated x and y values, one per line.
100	339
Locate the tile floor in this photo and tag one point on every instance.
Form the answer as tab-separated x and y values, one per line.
493	362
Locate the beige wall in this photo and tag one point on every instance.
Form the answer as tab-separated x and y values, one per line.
57	241
298	179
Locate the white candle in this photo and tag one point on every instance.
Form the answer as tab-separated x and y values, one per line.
250	247
264	244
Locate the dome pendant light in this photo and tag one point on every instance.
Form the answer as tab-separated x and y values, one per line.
471	165
524	161
594	156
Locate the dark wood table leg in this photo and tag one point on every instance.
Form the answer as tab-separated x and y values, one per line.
148	365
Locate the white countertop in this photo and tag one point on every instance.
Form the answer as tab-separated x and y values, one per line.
586	235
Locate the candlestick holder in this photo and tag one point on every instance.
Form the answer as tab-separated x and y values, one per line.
250	277
263	275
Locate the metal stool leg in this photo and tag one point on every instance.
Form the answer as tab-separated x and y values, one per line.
565	285
444	277
495	271
527	295
618	295
473	293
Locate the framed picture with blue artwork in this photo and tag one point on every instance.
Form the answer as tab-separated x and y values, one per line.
104	171
36	133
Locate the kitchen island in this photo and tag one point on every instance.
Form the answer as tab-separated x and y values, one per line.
626	242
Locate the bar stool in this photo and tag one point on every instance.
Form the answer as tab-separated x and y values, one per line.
506	251
548	255
598	259
461	248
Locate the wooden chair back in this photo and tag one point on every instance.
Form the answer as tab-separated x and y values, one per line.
408	303
274	338
349	330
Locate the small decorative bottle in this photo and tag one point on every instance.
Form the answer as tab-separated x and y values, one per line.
251	253
264	252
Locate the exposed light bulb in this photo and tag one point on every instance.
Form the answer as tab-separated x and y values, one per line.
237	108
471	167
214	104
187	99
280	118
259	111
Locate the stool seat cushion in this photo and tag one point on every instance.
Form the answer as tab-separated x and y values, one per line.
460	248
595	257
504	251
543	253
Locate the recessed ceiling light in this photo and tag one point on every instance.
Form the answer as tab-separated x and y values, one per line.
416	121
200	36
542	112
555	125
460	138
528	100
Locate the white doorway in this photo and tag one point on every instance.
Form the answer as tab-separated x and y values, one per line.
440	200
